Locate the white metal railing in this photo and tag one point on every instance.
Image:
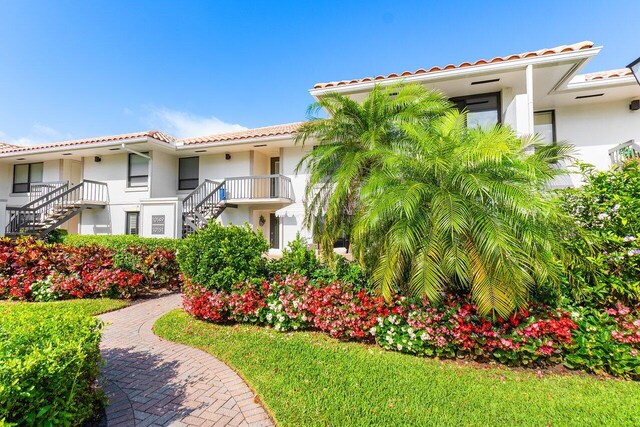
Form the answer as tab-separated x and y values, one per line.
624	152
258	187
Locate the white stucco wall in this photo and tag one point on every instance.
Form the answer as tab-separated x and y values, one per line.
163	174
596	128
112	170
215	167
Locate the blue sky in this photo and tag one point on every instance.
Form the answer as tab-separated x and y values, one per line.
88	68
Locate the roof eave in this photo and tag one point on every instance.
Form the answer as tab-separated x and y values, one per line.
602	83
214	144
86	146
580	56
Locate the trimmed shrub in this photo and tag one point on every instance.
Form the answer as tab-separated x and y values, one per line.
298	258
48	367
218	257
120	242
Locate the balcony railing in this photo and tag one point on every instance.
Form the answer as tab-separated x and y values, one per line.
258	187
37	190
624	152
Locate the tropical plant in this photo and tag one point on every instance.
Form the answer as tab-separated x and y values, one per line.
433	205
351	144
606	207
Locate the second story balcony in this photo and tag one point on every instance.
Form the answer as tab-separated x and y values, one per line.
257	189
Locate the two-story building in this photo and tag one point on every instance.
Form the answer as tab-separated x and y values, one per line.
152	184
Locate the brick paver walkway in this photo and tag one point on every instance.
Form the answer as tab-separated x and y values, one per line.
153	382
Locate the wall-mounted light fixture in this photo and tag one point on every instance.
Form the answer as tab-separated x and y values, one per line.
97	159
635	105
227	156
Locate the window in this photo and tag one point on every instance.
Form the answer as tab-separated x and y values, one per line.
544	124
188	172
132	223
138	171
26	174
482	110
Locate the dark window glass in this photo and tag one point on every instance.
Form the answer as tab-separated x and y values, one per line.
482	110
188	173
544	124
138	171
132	223
26	174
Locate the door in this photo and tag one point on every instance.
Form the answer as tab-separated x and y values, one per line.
76	173
275	170
274	231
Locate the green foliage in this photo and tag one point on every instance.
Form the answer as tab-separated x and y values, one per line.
48	366
307	379
431	205
120	242
218	257
595	348
607	208
298	258
57	235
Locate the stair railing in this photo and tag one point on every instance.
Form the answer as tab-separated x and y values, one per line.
29	219
39	189
196	197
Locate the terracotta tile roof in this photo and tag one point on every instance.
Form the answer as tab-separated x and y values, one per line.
542	52
111	138
609	74
6	147
286	129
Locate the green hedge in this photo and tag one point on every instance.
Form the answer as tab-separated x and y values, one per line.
49	363
120	242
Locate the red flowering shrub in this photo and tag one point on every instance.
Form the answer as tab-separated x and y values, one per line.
33	270
452	328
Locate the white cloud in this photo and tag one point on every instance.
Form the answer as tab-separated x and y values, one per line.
185	125
38	134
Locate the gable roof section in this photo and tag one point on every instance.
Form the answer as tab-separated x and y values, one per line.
88	141
239	136
537	53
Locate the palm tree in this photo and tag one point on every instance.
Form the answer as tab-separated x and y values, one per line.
351	143
430	204
461	208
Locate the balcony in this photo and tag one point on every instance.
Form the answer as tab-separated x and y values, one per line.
257	189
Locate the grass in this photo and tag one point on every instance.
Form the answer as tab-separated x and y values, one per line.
89	307
309	379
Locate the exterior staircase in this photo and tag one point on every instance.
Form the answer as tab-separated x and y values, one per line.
211	198
202	205
55	207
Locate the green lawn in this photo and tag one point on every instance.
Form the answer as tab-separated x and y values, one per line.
308	379
89	307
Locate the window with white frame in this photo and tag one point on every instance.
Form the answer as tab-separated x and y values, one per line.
132	225
138	174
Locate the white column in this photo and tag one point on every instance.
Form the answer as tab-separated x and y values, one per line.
529	80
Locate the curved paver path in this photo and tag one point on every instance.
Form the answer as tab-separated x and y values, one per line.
153	382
